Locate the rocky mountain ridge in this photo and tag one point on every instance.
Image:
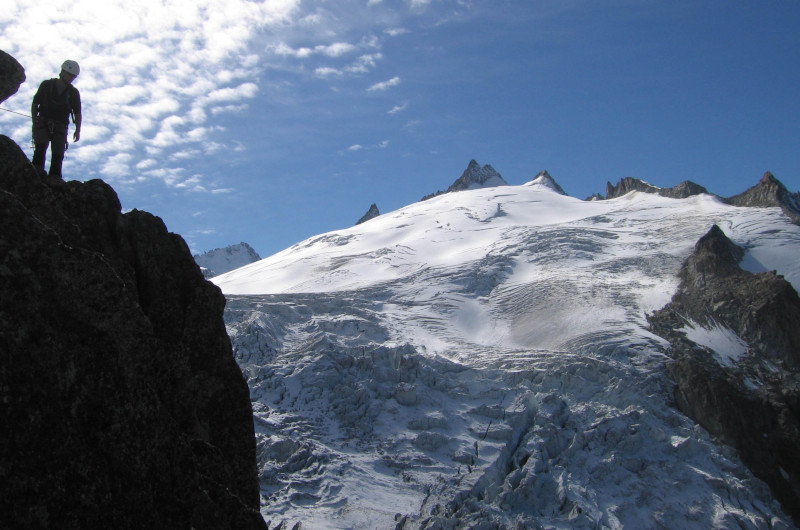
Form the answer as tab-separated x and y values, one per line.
473	177
629	184
750	398
770	192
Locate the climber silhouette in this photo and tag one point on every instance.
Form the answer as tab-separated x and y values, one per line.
54	102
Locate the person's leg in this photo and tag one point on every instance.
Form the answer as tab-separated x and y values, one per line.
41	138
58	145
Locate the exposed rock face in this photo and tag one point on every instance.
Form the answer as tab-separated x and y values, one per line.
372	213
770	192
628	184
120	402
12	75
748	393
473	177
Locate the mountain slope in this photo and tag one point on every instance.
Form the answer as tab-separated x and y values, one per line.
484	357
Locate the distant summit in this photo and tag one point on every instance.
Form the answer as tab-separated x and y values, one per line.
628	184
544	180
474	177
770	192
372	213
221	260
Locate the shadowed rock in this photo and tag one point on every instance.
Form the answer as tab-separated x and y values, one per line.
120	401
748	398
12	75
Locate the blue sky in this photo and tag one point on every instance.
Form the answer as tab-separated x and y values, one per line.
269	122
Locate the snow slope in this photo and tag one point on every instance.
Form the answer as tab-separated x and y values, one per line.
482	357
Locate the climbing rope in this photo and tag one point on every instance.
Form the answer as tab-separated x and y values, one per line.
14	112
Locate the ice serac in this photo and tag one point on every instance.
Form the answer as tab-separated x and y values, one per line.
120	402
770	192
222	260
736	358
473	177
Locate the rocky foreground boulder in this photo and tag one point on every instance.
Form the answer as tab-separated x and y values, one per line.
12	75
736	350
120	402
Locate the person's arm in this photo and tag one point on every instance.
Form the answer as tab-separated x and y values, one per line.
77	135
37	101
76	115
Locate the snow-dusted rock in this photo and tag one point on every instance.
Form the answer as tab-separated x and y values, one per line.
474	177
222	260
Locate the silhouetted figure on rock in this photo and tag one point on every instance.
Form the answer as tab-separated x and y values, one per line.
54	103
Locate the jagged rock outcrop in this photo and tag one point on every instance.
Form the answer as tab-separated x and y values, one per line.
473	177
629	184
770	192
120	401
372	213
222	260
12	75
747	392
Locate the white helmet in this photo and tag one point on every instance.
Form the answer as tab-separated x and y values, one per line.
71	67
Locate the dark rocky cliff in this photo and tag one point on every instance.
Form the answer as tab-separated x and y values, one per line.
121	405
752	401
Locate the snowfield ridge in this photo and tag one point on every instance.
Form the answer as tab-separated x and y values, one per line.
483	358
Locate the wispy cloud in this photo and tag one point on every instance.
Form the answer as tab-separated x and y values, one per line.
152	73
398	108
396	32
336	49
358	147
384	85
158	77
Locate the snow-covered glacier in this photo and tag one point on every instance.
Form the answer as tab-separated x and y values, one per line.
481	360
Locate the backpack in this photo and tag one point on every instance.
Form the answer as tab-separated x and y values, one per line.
58	106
